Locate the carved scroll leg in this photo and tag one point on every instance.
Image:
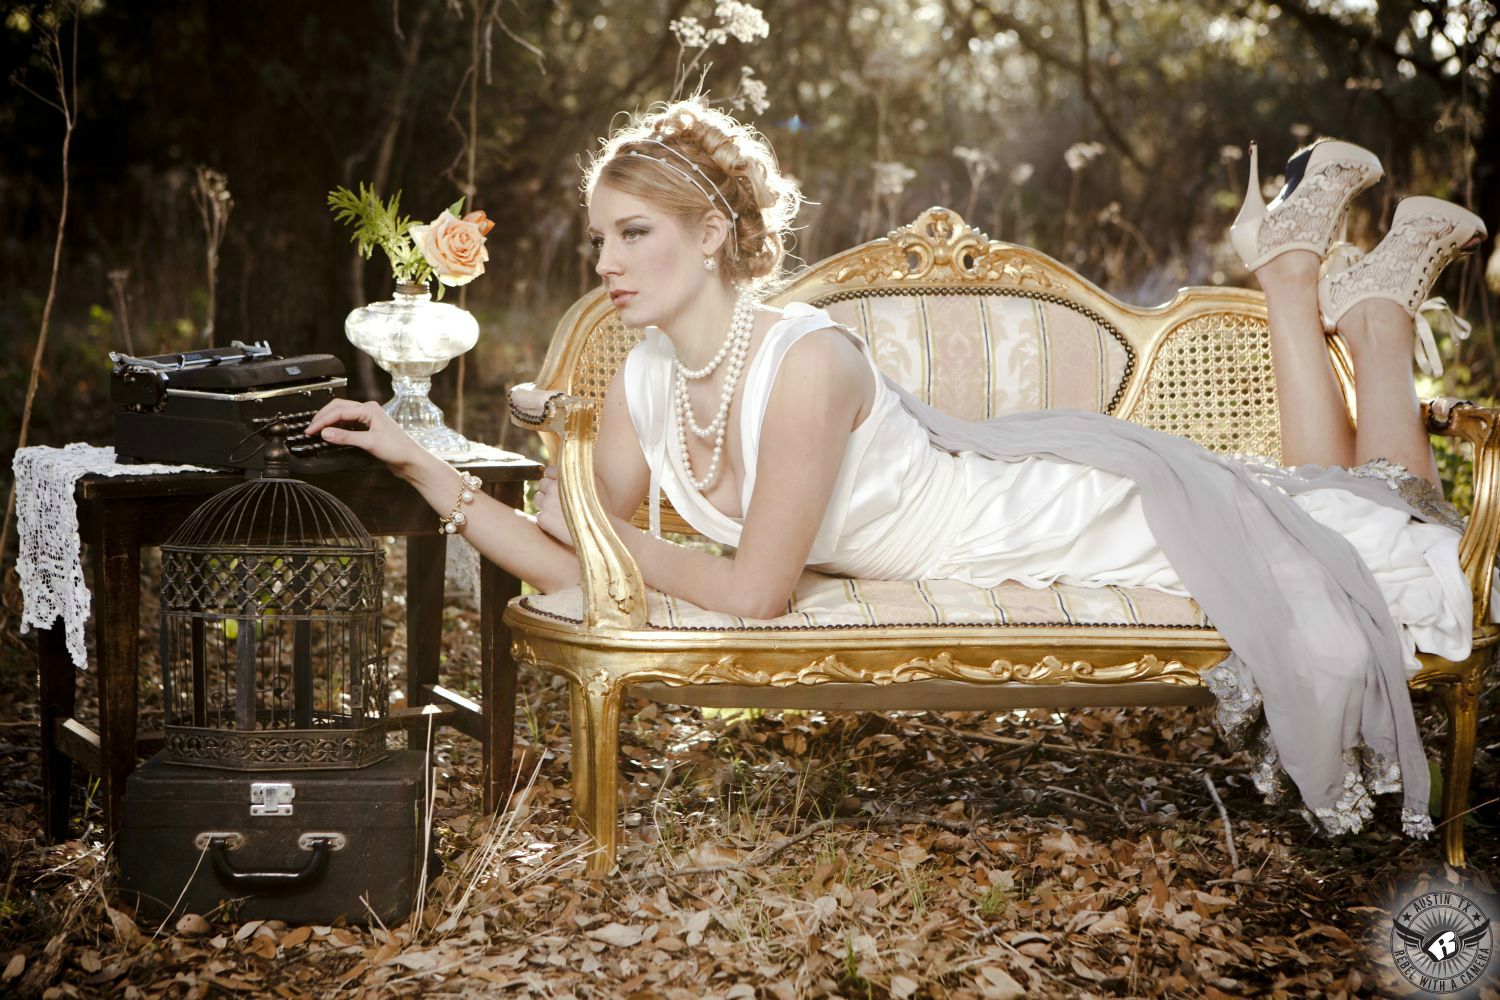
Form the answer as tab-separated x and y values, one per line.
602	700
578	713
1461	700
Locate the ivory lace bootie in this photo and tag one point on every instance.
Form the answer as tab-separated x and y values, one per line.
1426	235
1321	181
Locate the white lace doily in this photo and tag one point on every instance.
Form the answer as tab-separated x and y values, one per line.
462	572
50	561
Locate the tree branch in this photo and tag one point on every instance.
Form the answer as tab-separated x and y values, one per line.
1032	41
1330	25
66	78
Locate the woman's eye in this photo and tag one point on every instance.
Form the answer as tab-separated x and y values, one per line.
597	242
631	235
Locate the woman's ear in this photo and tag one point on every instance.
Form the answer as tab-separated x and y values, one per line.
715	232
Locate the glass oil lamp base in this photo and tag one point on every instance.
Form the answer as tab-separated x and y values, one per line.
421	418
414	338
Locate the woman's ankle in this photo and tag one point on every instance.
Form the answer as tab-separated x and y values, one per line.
1295	269
1376	326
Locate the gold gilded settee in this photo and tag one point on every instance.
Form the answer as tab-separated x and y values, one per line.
977	328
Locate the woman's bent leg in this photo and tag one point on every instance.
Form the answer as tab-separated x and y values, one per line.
1379	334
1314	422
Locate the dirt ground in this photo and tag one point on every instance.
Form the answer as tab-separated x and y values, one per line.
783	855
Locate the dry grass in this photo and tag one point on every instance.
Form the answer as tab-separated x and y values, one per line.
781	855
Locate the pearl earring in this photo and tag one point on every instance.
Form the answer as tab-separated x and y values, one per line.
710	264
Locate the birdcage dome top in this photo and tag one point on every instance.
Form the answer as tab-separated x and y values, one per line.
273	513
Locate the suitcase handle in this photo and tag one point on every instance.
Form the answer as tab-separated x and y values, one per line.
219	850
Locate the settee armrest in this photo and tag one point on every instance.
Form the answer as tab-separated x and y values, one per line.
614	595
1480	426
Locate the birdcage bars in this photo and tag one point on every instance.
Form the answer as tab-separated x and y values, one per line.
270	640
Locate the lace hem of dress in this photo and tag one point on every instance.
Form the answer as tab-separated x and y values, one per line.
1240	718
1422	495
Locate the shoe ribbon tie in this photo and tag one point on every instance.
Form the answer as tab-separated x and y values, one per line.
1424	346
1340	257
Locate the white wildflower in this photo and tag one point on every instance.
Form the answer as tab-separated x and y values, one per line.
742	20
1230	154
690	33
752	91
1301	131
891	178
1079	154
976	160
1021	173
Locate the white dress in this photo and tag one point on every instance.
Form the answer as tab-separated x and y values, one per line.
904	509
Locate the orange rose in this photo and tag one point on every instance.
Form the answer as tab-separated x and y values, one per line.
484	222
454	247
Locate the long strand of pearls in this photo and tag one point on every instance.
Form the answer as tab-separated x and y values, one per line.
735	347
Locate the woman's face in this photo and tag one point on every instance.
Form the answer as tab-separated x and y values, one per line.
651	265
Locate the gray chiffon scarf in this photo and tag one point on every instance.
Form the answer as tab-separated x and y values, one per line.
1316	675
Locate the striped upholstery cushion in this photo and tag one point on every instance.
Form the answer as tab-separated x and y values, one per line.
821	601
981	356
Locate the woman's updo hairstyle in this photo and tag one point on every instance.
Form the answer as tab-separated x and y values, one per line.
727	154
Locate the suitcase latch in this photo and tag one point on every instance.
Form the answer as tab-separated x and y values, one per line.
271	798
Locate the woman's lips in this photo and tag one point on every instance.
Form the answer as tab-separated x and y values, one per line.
619	298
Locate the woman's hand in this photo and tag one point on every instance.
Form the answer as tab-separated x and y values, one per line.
549	514
368	427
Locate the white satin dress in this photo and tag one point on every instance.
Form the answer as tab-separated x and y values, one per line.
904	509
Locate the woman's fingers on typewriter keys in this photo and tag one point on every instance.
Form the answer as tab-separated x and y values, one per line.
338	411
366	426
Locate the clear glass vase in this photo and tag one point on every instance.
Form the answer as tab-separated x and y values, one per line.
413	338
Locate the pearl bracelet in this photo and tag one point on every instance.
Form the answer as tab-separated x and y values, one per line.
469	484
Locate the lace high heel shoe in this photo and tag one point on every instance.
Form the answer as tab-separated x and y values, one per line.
1320	182
1426	235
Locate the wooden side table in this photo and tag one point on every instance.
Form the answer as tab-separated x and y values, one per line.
120	515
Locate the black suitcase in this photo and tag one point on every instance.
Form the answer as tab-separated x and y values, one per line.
299	846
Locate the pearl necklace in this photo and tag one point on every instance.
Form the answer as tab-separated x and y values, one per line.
736	345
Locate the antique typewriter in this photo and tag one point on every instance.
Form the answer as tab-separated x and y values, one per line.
214	407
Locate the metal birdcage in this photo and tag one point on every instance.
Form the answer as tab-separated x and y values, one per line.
270	631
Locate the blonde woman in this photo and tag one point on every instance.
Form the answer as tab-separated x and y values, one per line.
773	431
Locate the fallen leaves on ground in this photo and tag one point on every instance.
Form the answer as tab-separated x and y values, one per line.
971	856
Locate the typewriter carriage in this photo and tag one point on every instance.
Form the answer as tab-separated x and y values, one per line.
212	408
270	639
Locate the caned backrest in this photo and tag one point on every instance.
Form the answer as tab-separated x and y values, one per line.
981	328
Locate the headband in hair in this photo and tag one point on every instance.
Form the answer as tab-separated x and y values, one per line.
733	215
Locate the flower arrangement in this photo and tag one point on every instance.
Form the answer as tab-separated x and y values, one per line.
450	248
738	20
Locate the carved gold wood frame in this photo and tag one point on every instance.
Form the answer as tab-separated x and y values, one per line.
932	668
938	251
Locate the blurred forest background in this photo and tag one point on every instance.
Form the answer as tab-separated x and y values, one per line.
1107	133
1110	134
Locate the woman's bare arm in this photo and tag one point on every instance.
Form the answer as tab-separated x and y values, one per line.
507	537
819	390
